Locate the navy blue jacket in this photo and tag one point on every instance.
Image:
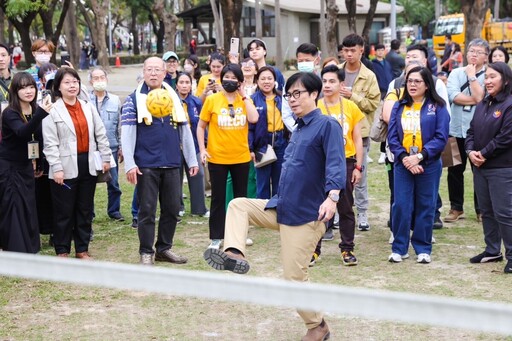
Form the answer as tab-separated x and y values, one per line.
194	106
258	132
435	125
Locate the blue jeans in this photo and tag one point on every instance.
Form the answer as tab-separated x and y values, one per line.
267	177
493	188
114	191
415	199
135	204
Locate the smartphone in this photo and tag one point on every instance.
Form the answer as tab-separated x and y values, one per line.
234	47
64	59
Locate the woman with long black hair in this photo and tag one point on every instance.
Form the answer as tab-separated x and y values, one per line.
19	151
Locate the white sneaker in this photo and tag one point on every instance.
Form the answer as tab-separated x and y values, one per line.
424	258
433	240
215	244
395	258
249	242
181	213
336	223
382	158
207	214
369	159
362	220
391	238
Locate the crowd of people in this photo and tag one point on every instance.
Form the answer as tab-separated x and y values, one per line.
222	128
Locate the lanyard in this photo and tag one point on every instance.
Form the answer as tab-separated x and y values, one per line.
341	110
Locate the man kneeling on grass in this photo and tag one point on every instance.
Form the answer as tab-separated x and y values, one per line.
312	177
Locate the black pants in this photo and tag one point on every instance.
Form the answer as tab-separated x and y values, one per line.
456	181
72	209
161	184
218	177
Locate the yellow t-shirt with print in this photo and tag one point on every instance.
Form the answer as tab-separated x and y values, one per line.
351	116
203	82
272	111
411	127
228	137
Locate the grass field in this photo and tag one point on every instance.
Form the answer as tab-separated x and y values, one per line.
37	310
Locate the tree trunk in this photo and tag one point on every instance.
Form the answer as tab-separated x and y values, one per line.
135	32
71	32
369	20
322	28
47	19
169	21
257	17
2	26
23	28
218	24
332	34
279	48
100	10
232	14
351	15
474	12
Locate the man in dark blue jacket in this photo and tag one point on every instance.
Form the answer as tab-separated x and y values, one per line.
382	70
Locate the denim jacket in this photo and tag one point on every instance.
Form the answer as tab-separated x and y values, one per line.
110	113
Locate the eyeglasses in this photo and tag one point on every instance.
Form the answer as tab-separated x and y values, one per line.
415	81
295	94
43	52
231	111
246	64
70	83
151	71
480	53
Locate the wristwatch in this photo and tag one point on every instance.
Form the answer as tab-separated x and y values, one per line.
419	156
334	197
472	79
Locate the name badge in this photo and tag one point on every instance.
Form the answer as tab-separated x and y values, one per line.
33	150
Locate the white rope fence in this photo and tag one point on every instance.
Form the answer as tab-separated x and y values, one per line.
364	303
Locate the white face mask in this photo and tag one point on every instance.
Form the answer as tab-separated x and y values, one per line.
100	86
306	66
43	58
188	68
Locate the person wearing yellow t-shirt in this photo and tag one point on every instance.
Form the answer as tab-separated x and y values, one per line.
210	83
269	130
417	134
348	114
227	115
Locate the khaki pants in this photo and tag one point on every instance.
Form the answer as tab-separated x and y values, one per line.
297	242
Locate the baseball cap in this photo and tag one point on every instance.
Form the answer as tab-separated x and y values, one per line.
170	54
258	42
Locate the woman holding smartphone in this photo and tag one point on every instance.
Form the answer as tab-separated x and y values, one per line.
211	83
19	152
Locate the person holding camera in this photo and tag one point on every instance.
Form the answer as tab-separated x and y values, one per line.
227	115
418	132
211	83
21	127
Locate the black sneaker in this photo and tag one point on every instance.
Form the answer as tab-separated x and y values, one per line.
438	224
348	258
117	217
486	257
135	223
329	234
508	267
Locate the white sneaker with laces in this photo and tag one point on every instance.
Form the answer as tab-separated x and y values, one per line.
424	258
215	244
207	214
249	242
391	238
181	213
395	258
362	220
433	240
369	159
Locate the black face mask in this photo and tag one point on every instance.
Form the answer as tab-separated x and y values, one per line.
230	86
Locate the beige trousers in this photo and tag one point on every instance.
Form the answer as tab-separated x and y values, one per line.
297	242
